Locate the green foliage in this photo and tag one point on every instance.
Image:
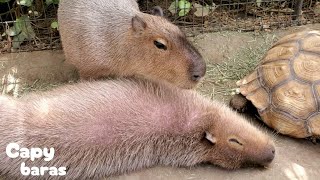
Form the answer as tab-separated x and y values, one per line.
4	1
27	33
259	2
48	2
182	7
55	25
185	7
21	31
27	3
13	31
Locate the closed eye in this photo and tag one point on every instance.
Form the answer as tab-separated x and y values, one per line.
235	141
159	45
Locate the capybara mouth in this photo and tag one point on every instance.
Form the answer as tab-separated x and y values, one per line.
265	162
255	165
189	87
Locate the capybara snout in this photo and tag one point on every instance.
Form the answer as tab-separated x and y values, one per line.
198	69
267	156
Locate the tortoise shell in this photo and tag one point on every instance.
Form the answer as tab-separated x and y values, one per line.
285	86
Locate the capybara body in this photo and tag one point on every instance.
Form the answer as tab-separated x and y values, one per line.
114	39
108	128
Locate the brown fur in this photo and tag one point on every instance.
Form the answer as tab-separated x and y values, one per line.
107	128
113	38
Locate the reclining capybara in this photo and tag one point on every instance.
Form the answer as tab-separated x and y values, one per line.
114	39
112	127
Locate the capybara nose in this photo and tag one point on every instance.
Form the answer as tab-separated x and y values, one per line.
198	72
269	155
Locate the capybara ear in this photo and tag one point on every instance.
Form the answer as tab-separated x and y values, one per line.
138	24
157	11
210	138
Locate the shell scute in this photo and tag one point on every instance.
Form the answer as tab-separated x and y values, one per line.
295	98
275	72
286	51
307	67
285	124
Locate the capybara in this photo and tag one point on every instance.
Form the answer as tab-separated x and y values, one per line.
114	39
112	127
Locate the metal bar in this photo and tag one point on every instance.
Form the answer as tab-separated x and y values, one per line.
298	10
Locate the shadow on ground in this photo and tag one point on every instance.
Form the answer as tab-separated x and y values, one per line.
39	70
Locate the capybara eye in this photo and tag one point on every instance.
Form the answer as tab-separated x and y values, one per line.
160	45
235	141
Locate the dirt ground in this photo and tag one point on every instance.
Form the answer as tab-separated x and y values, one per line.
229	56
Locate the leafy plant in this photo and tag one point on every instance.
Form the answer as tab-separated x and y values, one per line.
182	7
259	2
55	25
21	31
27	32
27	3
48	2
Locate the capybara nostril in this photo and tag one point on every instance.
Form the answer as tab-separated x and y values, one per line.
198	72
196	77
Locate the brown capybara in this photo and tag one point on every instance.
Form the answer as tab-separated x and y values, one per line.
113	127
114	39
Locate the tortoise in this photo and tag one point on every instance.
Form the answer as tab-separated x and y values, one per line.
285	85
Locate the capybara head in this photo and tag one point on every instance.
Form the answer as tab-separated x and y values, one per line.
166	52
237	144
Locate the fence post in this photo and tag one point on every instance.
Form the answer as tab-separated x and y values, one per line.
298	11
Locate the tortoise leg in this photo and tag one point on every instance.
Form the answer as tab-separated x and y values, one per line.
239	103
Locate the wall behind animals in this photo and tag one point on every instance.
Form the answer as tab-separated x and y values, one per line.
32	24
